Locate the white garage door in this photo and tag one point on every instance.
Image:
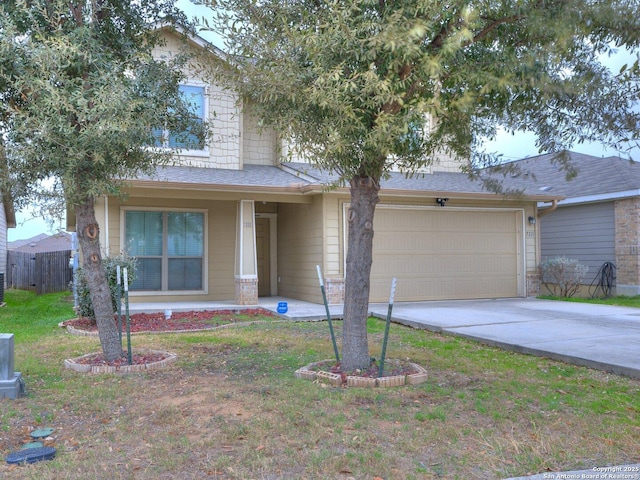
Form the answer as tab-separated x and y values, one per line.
446	253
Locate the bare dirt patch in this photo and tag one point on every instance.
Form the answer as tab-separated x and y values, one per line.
200	403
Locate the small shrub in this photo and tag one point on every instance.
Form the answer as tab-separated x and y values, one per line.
110	264
563	276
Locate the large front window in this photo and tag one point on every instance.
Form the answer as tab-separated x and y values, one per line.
169	247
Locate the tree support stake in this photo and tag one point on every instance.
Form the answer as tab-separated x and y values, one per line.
386	329
126	307
326	307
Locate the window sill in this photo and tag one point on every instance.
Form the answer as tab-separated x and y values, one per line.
190	153
165	293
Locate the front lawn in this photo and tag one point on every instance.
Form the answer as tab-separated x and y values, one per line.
230	408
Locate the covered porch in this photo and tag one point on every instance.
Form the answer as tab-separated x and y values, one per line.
296	309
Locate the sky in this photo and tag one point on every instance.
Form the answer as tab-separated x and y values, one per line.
512	147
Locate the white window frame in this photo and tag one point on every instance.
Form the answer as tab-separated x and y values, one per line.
164	281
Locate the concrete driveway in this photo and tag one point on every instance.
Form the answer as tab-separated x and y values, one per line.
596	336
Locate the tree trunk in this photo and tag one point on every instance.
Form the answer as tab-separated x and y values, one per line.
88	238
355	346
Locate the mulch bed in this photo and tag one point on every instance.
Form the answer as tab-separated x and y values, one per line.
391	368
192	320
136	359
157	323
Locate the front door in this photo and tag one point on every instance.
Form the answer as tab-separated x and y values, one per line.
263	258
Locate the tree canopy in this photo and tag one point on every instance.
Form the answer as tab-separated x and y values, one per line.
82	100
354	77
365	87
82	93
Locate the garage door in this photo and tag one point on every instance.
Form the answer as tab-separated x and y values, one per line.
446	253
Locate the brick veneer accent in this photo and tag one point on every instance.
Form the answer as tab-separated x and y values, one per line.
627	224
533	284
334	289
246	291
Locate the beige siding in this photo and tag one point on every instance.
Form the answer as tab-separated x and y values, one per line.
300	244
333	265
445	163
223	115
259	145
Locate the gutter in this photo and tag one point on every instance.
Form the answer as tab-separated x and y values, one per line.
601	197
292	189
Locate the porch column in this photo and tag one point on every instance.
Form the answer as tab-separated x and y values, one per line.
246	270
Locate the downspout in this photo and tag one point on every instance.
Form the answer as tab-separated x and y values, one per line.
547	211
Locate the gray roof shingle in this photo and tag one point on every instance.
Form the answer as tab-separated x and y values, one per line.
596	176
249	176
437	182
298	175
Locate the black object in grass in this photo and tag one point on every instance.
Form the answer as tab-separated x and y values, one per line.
31	455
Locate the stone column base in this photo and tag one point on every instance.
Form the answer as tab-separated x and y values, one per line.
246	291
334	289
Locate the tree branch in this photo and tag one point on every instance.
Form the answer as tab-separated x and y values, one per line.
76	12
493	25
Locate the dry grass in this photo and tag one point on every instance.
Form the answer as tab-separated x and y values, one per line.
232	409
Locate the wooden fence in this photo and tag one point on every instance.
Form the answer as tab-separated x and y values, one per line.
45	272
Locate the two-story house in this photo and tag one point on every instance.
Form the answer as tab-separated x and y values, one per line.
235	220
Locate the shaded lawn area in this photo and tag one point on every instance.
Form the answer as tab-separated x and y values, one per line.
230	408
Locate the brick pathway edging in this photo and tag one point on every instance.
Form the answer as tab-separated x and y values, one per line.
335	380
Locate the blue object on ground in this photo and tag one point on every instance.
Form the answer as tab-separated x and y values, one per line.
282	307
32	445
31	455
41	432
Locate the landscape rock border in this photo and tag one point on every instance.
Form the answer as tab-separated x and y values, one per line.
73	364
334	379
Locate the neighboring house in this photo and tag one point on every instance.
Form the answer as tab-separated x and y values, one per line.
18	244
232	221
7	220
40	263
42	243
598	221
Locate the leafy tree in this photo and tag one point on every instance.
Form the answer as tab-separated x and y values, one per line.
81	97
364	87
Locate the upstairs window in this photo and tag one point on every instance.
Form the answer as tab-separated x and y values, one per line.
195	97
